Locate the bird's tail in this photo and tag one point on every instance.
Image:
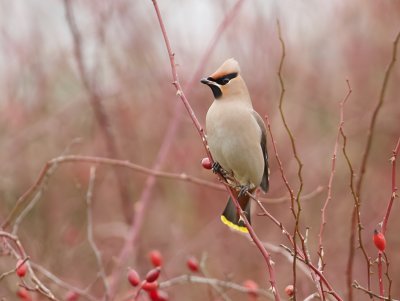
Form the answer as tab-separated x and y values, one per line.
231	216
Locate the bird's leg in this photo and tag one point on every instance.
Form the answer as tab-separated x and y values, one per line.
243	189
216	168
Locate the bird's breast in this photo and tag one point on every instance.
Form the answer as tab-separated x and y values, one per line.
234	137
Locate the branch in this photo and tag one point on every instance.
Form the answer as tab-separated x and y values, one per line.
394	188
20	253
329	193
173	127
90	236
258	243
375	113
359	287
37	187
213	282
355	220
61	283
296	214
99	111
363	166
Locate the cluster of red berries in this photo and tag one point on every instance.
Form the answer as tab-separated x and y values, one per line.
150	284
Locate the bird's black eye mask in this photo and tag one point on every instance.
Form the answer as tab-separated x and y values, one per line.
225	79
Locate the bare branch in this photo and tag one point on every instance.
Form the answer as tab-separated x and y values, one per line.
329	193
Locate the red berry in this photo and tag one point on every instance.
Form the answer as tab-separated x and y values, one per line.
157	295
162	296
23	294
156	258
379	240
21	268
193	264
252	287
153	274
133	277
289	290
153	295
72	296
206	163
150	286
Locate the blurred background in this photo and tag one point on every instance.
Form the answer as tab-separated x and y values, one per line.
48	109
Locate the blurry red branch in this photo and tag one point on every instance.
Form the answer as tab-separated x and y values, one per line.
356	219
99	111
25	198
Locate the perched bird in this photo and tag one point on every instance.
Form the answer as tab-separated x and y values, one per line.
236	136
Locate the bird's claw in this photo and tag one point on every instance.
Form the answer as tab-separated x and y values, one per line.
243	189
216	168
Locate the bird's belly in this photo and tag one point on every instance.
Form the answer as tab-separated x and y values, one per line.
239	153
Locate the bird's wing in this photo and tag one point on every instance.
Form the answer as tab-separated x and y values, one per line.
263	142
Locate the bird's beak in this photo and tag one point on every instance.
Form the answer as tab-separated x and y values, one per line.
206	82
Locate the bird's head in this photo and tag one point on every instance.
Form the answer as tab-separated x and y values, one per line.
226	80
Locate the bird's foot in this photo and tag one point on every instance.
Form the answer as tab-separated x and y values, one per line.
244	189
216	167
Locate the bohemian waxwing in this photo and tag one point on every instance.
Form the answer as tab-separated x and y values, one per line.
236	136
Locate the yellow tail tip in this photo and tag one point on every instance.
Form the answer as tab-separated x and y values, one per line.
233	226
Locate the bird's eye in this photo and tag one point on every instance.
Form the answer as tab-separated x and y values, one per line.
225	80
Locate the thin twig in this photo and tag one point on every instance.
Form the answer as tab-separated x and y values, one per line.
380	275
90	235
61	283
370	293
363	167
393	194
20	253
296	200
349	268
300	253
169	137
47	170
329	192
213	282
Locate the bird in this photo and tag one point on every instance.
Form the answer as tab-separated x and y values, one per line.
236	137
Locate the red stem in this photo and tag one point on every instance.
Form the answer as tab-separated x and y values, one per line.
394	188
259	245
380	275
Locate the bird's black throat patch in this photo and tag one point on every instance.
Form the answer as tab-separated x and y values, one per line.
216	91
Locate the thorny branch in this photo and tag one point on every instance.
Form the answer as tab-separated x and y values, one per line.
356	211
144	199
181	94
